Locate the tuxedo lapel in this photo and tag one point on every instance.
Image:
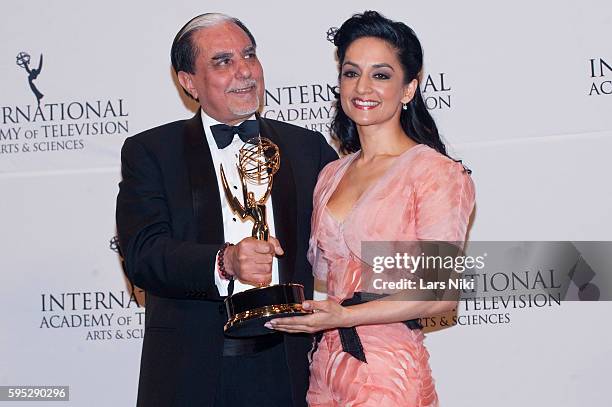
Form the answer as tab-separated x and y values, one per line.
203	181
283	205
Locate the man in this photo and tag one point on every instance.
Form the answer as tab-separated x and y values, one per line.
173	220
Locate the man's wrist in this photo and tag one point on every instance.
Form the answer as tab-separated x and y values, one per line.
221	264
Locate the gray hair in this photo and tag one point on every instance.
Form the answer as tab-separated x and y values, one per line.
184	53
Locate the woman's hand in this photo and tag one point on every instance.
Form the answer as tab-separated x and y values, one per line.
326	315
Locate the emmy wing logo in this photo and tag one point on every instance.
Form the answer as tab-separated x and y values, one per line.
113	244
331	34
23	60
57	125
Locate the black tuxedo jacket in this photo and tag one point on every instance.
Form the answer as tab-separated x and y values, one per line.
170	227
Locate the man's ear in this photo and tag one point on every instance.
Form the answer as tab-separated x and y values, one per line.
186	81
410	90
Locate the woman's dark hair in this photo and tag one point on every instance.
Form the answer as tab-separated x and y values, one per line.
415	120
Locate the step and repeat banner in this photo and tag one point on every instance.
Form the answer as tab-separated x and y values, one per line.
521	91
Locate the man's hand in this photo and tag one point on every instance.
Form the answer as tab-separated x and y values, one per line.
250	261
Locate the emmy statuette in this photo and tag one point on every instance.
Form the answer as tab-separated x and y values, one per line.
248	311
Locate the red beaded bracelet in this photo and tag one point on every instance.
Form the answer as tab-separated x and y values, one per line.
220	262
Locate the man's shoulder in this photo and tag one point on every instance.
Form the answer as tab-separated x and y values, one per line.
296	131
160	133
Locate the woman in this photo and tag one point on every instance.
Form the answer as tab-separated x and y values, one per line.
397	184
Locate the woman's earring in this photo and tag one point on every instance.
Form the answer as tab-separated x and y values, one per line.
405	106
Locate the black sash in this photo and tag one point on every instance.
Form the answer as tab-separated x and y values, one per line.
349	338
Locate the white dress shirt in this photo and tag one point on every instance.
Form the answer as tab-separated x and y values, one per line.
234	228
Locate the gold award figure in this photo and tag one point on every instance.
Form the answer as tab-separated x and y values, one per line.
248	311
259	160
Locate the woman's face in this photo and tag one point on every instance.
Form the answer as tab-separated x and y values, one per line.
372	87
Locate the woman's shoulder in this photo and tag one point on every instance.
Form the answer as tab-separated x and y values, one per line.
327	174
332	167
427	162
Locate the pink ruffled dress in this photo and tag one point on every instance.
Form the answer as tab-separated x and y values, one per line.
422	196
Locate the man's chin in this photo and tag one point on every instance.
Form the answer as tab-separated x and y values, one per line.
245	111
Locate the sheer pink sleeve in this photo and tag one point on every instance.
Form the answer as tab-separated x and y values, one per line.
444	201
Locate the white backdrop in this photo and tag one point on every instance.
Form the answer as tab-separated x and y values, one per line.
520	91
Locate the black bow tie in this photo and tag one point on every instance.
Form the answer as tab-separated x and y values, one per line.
224	134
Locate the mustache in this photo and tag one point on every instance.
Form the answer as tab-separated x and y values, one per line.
246	84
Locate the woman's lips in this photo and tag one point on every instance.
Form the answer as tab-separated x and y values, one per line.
365	104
